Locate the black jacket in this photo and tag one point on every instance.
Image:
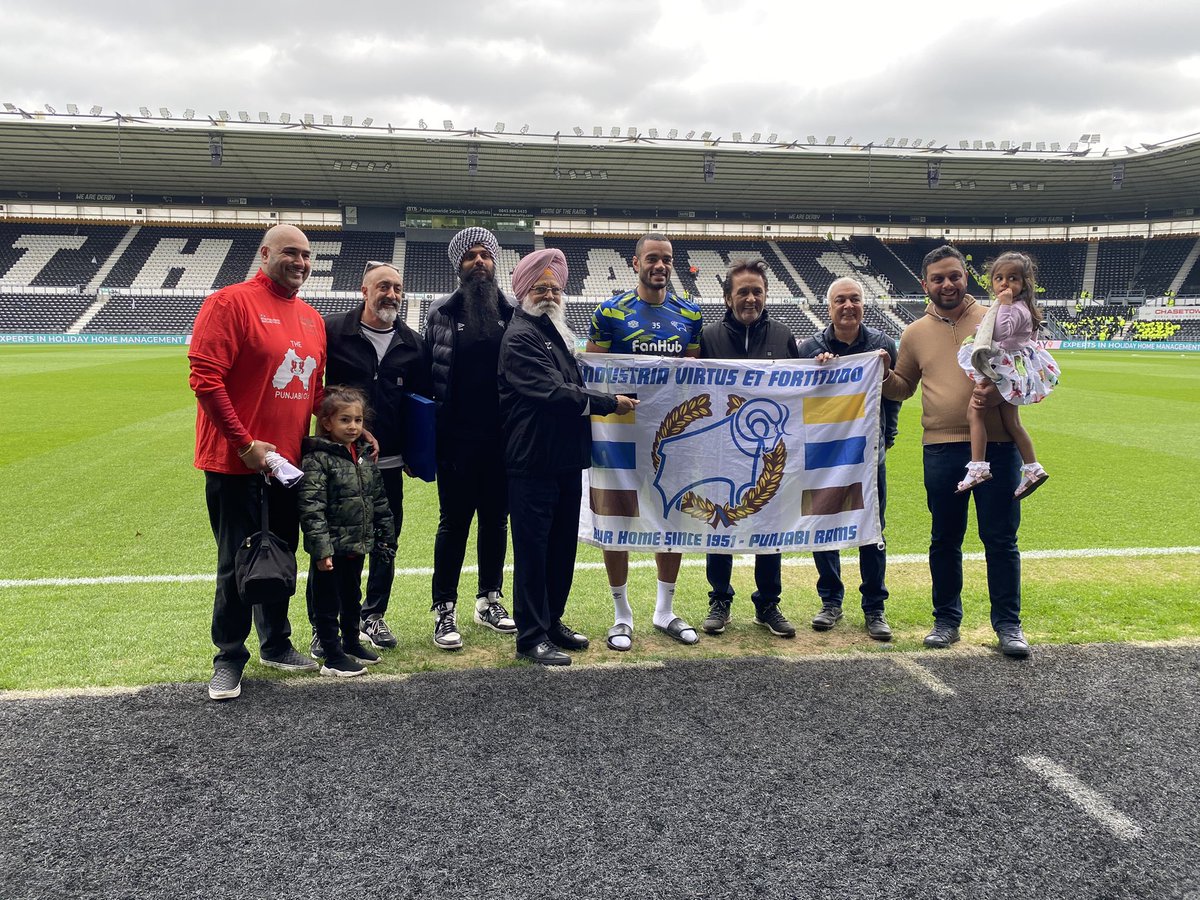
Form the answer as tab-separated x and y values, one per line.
343	507
730	339
542	400
868	339
352	361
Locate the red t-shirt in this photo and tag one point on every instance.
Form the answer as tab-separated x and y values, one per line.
266	351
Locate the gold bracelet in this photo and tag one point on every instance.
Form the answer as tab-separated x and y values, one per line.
242	453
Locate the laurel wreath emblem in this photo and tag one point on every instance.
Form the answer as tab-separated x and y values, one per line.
693	410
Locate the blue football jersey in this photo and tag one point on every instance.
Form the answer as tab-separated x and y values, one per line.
628	324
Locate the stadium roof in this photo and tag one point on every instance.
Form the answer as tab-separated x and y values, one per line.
580	174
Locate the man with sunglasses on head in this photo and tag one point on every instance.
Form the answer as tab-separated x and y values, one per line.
372	349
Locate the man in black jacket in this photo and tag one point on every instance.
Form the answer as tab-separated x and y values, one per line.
372	349
547	444
462	345
847	335
746	332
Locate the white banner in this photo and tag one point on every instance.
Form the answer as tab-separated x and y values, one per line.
738	456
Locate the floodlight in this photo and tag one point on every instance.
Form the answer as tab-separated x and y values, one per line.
631	131
597	131
72	109
754	137
1055	146
811	139
10	107
326	119
654	133
500	128
187	113
447	125
615	132
1083	138
963	145
243	116
96	110
308	118
1041	145
49	109
578	131
347	121
524	129
421	124
991	145
368	122
903	142
978	145
285	118
1073	146
223	115
672	134
1005	145
144	112
889	142
162	111
691	134
264	117
772	137
706	136
737	136
830	140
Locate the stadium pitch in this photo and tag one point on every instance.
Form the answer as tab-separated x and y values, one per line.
96	472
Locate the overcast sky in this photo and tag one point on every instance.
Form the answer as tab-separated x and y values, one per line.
1040	70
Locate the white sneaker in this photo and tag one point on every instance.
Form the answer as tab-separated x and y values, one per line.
445	628
490	613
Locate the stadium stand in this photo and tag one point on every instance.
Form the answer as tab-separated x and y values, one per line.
1160	263
36	313
54	255
164	258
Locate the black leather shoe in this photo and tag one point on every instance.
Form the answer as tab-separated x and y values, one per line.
566	637
545	654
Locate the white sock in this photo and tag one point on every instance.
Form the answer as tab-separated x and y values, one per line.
622	613
664	605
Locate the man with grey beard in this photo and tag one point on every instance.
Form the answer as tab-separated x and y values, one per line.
462	343
547	444
372	349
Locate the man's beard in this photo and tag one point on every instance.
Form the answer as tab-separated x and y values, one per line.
557	316
481	301
387	314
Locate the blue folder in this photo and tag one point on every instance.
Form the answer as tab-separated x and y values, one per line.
420	436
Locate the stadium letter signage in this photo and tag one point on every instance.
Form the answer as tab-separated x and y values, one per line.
740	456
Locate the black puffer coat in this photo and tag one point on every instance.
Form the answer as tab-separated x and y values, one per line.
343	507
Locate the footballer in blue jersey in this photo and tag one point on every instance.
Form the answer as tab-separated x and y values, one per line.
647	320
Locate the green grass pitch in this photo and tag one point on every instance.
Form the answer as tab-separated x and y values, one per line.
97	481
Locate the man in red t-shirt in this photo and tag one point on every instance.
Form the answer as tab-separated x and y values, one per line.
257	362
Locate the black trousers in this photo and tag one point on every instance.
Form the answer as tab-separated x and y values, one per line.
382	571
469	486
334	599
233	512
545	522
768	577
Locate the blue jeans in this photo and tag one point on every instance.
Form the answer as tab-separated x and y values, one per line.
872	566
998	516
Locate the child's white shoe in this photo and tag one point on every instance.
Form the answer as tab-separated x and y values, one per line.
977	474
1032	476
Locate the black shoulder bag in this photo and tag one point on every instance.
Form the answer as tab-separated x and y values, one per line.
265	566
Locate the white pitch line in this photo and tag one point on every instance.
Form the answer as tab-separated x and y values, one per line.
742	561
923	675
1088	800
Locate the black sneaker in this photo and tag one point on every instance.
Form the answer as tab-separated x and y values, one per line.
941	636
877	626
718	614
359	651
1013	642
375	630
315	650
445	628
830	615
342	665
290	661
226	684
490	613
772	619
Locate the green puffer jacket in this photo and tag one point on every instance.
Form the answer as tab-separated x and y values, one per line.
343	507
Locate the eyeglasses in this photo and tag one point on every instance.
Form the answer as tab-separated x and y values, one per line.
373	264
541	290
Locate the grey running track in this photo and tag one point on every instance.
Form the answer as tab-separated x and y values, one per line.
1075	775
